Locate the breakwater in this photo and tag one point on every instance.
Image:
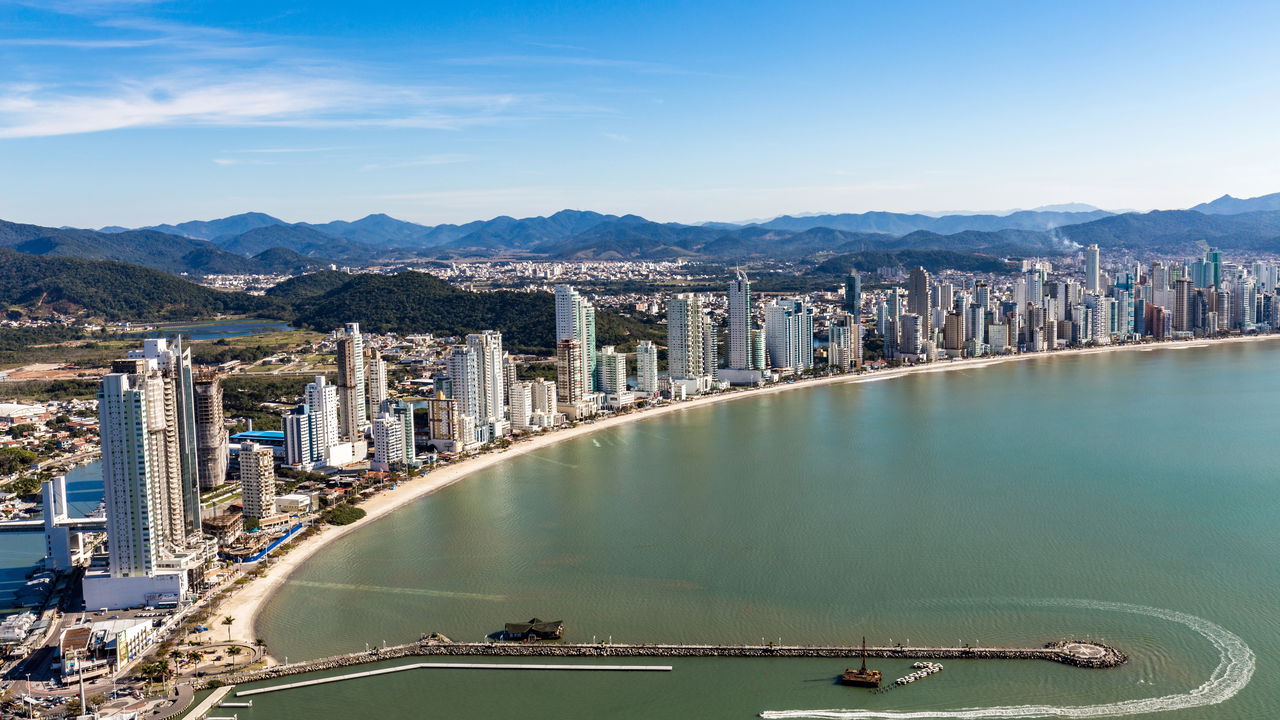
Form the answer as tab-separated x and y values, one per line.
1079	653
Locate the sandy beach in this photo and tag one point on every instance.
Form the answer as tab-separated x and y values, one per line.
248	600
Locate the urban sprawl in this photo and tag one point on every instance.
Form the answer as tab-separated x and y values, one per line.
159	555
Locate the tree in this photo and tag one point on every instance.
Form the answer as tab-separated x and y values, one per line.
228	620
233	651
73	708
97	699
14	459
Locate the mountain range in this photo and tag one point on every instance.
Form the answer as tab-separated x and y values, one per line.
259	243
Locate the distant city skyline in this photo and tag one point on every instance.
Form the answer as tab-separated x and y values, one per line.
142	112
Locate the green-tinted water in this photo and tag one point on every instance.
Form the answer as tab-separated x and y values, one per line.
938	508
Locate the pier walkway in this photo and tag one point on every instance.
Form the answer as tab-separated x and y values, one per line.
1080	653
455	666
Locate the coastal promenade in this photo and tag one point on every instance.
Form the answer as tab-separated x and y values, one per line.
248	600
1078	653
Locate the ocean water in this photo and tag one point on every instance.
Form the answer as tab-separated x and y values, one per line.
1130	497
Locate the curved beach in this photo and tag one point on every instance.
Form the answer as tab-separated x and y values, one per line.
249	599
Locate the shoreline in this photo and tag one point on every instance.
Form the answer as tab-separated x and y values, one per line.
246	604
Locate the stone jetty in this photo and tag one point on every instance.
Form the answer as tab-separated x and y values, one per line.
1079	653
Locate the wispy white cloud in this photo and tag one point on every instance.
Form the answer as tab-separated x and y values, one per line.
334	148
242	161
566	60
438	159
81	7
268	100
160	73
616	137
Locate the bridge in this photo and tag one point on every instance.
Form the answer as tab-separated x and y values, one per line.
88	524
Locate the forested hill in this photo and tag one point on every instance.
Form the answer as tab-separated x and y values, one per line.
112	290
414	302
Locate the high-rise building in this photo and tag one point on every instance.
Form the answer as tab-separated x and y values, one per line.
174	364
570	383
910	334
953	334
685	346
544	397
257	481
446	431
376	372
352	410
467	388
576	319
1092	270
845	348
510	374
323	405
1182	288
491	409
853	294
146	419
521	405
918	301
613	377
211	432
388	442
788	327
710	347
301	446
758	356
646	368
1213	268
739	320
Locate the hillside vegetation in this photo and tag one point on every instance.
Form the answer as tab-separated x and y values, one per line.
414	302
112	290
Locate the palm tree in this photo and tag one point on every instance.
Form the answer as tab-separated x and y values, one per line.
228	620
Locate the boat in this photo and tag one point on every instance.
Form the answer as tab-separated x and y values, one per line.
861	677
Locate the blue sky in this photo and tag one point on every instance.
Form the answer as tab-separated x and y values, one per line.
137	112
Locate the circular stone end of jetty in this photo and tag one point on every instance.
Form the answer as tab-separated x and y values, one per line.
1087	654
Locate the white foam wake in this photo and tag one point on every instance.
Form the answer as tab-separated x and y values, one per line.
1235	668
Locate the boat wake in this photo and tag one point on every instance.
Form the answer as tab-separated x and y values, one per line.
1235	668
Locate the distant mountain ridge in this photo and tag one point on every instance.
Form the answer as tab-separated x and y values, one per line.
1227	205
256	242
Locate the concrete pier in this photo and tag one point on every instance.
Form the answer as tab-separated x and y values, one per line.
1079	653
457	666
207	704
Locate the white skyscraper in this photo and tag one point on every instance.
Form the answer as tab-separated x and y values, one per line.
740	322
613	377
685	346
1092	270
388	441
788	327
257	480
321	399
576	319
377	377
299	437
521	406
646	368
491	408
845	349
149	469
467	389
352	411
543	396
